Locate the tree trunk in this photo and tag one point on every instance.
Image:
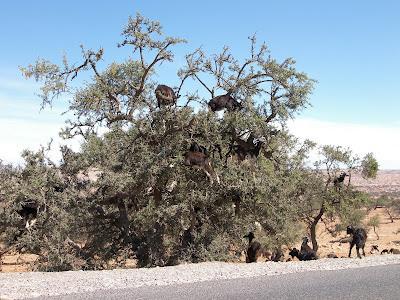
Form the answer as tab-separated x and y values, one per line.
377	236
390	215
313	228
124	221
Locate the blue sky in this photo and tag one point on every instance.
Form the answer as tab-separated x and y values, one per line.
351	47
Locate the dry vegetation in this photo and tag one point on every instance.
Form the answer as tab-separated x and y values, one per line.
386	183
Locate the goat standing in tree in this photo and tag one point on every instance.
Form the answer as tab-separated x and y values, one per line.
251	147
338	181
165	95
28	212
197	156
224	102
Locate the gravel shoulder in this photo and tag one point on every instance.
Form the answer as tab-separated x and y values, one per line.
36	284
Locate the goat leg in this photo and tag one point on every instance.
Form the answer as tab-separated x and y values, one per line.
209	176
351	247
227	154
358	251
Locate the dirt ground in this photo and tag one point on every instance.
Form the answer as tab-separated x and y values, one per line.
386	183
389	237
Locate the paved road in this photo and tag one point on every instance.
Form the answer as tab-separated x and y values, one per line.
381	282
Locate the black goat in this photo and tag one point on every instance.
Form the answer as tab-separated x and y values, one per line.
28	212
251	147
359	237
165	95
338	181
254	249
374	249
302	255
224	101
384	251
200	160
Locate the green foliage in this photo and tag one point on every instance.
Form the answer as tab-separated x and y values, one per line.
324	197
374	221
369	166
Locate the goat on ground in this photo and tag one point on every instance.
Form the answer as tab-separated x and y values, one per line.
224	102
305	247
394	251
254	250
277	255
165	95
200	160
305	253
384	251
359	237
302	255
374	249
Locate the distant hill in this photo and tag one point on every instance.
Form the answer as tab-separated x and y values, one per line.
387	183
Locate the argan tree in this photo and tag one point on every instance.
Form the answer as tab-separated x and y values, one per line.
127	193
323	197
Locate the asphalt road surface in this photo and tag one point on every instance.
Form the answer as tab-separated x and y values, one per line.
382	282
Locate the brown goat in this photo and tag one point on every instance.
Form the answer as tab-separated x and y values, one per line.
304	245
224	102
200	160
165	95
254	250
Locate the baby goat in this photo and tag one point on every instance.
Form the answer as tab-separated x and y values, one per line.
374	249
359	237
